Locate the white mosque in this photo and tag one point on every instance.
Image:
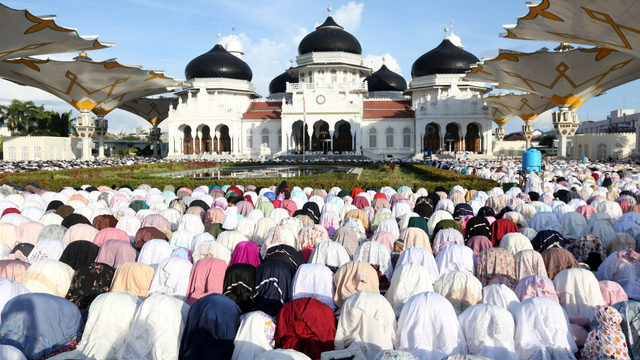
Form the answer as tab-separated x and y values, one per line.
346	106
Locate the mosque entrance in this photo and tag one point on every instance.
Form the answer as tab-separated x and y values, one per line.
222	141
205	141
472	139
451	138
432	137
321	140
187	145
297	136
342	139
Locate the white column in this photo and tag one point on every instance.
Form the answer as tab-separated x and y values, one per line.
181	145
101	145
331	132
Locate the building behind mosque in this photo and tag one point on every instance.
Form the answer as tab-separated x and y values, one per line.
348	108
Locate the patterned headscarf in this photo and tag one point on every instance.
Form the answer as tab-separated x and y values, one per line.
606	341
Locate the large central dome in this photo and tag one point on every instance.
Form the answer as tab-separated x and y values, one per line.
444	59
329	37
218	63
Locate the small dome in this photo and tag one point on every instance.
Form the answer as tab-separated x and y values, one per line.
218	63
279	83
444	59
329	37
386	80
233	46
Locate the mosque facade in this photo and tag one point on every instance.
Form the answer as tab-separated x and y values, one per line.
329	102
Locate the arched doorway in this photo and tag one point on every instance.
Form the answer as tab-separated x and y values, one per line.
432	137
187	145
222	140
343	140
472	139
452	138
321	140
297	136
205	141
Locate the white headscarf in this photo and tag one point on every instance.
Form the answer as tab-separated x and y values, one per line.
156	329
231	238
329	253
408	279
422	257
579	292
367	323
543	331
315	281
48	276
456	257
8	290
428	328
515	242
501	295
8	352
375	253
250	339
105	334
489	331
47	249
172	278
155	251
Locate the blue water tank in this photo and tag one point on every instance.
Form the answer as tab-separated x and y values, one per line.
531	160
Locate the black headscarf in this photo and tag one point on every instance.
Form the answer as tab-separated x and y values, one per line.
210	329
24	248
504	210
424	209
239	281
199	203
273	287
461	210
89	281
486	211
74	219
314	208
477	226
286	255
534	196
546	239
79	253
54	205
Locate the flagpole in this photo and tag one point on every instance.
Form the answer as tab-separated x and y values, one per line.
304	125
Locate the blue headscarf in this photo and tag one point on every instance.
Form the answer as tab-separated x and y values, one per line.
270	195
211	327
38	324
273	287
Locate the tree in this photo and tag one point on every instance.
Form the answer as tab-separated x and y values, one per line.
18	115
547	140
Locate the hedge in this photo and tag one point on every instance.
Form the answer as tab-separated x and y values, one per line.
135	175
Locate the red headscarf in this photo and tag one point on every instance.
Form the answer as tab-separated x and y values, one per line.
288	205
306	325
500	228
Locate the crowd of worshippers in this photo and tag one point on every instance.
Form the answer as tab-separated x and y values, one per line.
242	272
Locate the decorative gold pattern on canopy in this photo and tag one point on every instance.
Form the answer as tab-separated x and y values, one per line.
24	34
613	24
524	106
153	110
565	78
88	85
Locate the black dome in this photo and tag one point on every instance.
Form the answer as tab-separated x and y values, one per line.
279	83
386	80
329	37
218	63
444	59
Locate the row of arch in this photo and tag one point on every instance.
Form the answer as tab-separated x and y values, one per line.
321	139
452	140
204	141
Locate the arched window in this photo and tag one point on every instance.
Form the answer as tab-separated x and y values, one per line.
579	151
52	153
586	150
310	76
250	138
302	77
373	138
280	138
406	137
390	132
265	137
11	151
37	153
60	153
24	153
334	76
602	151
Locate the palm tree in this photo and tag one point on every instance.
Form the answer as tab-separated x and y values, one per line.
18	114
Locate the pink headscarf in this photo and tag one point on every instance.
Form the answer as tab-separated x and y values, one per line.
246	252
288	205
385	239
331	221
28	232
111	234
612	292
115	253
586	211
478	243
536	286
207	277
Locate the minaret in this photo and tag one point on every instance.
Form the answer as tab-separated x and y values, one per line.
234	46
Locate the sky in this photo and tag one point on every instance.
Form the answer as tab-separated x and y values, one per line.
166	35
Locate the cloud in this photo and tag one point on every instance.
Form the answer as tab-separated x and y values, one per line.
349	16
302	32
390	61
